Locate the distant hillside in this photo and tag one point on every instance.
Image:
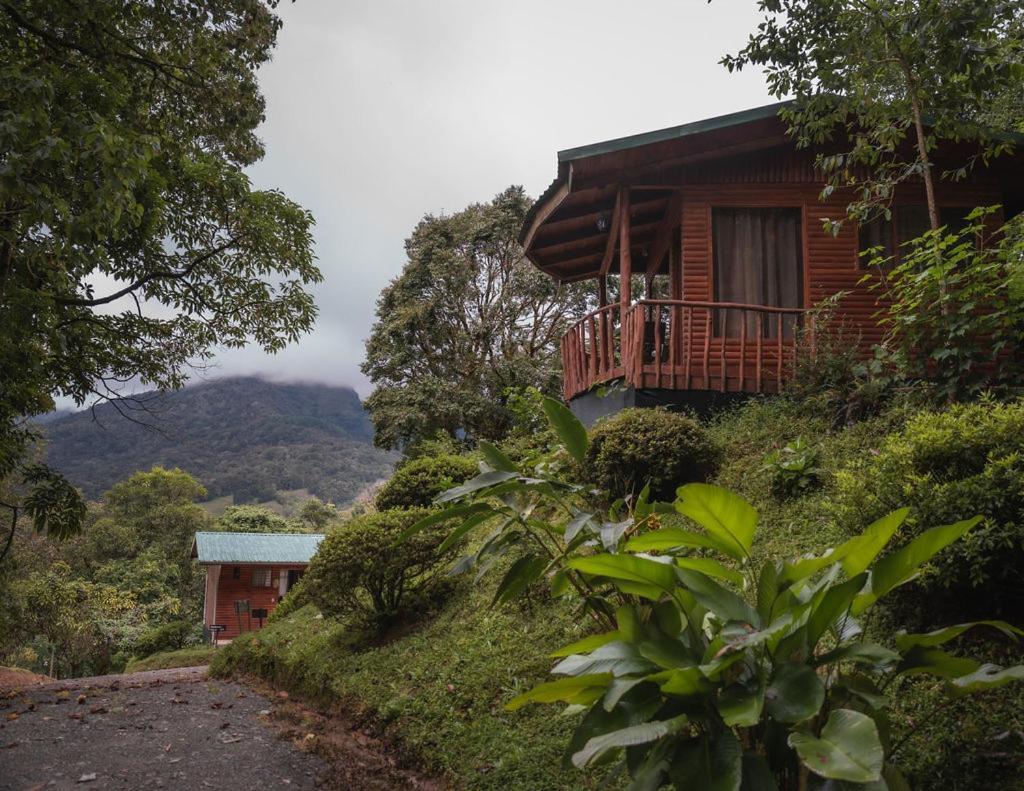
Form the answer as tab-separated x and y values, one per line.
242	437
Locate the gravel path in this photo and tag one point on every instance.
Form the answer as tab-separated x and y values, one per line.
156	729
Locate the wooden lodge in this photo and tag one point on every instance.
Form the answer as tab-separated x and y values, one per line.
247	575
717	226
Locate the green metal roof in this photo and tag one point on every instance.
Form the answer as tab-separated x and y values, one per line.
255	547
673	132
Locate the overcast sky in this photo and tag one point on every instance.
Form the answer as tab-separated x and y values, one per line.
379	112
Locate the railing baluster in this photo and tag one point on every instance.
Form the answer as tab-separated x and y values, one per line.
760	356
657	346
594	363
778	356
688	312
721	356
707	351
743	348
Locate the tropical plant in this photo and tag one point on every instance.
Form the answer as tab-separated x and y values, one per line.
691	683
956	306
793	468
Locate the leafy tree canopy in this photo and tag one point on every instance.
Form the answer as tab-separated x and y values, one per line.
131	241
889	71
256	519
467	318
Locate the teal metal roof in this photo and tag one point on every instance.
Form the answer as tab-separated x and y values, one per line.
255	547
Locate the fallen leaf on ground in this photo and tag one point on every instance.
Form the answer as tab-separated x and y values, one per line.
87	778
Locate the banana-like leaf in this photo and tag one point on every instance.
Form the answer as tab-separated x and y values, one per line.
985	677
574	689
454	512
863	653
905	641
521	574
711	568
644	733
577	523
458	533
568	428
484	480
618	658
496	457
903	565
741	703
673	538
849	748
720	600
628	568
794	694
834	602
725	515
682	682
757	774
921	660
587	644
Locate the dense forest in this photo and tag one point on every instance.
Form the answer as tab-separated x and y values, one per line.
241	437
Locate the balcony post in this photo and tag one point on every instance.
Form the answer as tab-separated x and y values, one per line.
625	259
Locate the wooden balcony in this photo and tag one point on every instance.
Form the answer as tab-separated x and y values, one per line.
676	344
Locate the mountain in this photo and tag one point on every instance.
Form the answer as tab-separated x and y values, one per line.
244	437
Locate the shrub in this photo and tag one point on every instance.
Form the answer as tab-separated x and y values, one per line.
640	446
947	465
417	483
794	469
362	566
255	519
169	637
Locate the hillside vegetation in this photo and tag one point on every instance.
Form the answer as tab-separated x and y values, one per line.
242	437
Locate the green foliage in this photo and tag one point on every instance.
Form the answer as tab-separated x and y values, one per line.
416	483
466	319
868	74
157	202
957	307
640	447
256	519
168	637
316	515
793	468
361	566
947	465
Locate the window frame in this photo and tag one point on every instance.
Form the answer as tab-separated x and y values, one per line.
254	581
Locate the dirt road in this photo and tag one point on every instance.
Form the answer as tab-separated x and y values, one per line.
176	729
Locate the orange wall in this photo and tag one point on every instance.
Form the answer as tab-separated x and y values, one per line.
230	590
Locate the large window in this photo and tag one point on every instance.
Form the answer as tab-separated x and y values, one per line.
757	261
908	222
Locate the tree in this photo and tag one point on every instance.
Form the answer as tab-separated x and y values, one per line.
255	519
466	319
316	514
131	241
889	73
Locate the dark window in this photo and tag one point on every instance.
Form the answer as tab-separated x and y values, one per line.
908	222
876	233
757	261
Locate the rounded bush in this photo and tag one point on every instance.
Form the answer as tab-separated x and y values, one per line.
169	637
947	466
416	484
640	446
366	565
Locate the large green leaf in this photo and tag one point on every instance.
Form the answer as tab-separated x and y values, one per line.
683	682
741	702
757	774
922	660
587	644
860	652
904	641
521	574
568	428
725	515
834	603
673	538
643	733
711	568
575	689
986	677
905	564
629	568
856	554
453	512
617	658
484	480
849	748
727	605
794	694
460	532
496	457
708	764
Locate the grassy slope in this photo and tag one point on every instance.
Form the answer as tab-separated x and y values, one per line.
488	655
439	688
183	657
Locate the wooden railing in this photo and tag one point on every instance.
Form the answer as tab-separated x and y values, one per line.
592	351
685	345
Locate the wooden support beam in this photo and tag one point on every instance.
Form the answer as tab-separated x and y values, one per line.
663	236
625	257
613	232
602	290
